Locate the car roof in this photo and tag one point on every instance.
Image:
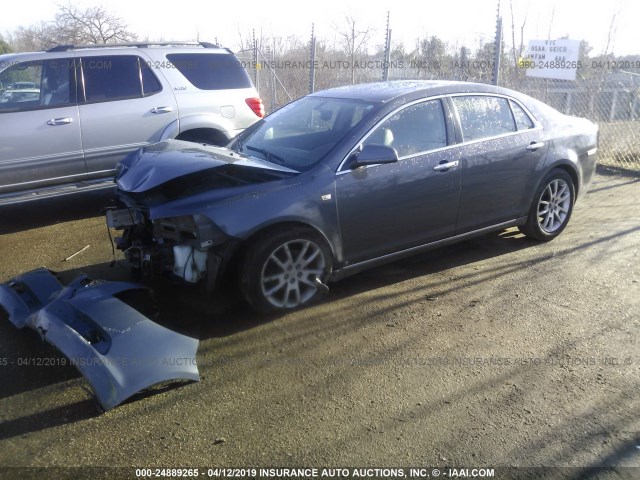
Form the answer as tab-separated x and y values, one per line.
386	91
64	51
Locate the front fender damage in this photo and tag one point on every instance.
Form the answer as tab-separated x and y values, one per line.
102	328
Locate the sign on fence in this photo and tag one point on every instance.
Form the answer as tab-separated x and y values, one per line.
556	59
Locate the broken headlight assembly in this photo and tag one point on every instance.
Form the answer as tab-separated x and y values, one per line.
180	246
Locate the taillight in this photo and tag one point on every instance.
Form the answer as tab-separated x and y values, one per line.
256	105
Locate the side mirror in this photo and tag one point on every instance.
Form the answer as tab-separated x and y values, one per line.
375	154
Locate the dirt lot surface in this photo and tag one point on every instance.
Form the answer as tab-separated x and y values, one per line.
494	352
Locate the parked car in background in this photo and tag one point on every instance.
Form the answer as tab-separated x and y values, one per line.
17	96
350	178
21	85
69	114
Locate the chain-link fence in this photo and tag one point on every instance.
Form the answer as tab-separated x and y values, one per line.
607	96
612	100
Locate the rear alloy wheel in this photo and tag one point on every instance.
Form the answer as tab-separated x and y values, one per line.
281	273
552	207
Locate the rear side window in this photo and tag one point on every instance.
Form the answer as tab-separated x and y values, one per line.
523	121
150	83
484	117
208	71
120	77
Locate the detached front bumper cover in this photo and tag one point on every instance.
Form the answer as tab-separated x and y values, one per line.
100	327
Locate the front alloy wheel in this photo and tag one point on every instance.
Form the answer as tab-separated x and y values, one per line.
288	278
281	271
551	207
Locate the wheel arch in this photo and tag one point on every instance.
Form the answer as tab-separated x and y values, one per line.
287	225
210	122
264	231
573	173
566	166
204	135
532	227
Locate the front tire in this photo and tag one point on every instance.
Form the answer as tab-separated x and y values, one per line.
279	271
551	207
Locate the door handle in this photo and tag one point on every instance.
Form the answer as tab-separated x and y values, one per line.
162	109
533	146
445	166
59	121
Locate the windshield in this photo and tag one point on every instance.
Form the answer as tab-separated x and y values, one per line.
300	134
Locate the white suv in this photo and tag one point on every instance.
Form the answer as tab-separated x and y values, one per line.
91	105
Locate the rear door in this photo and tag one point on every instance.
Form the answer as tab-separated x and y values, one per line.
501	148
39	127
124	105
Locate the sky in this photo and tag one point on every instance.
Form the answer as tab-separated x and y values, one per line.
458	22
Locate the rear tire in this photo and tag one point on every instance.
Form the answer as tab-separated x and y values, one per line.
551	207
279	270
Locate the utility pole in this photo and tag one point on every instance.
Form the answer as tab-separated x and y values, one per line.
256	78
497	48
312	56
274	98
387	52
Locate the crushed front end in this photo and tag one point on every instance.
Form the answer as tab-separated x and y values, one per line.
189	248
168	193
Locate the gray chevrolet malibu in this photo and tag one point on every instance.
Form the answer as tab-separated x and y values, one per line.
349	178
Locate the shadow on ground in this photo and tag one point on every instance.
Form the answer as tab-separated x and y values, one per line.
39	213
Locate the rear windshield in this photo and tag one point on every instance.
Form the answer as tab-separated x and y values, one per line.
208	71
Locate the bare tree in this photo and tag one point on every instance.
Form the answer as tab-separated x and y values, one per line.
246	41
93	25
4	47
35	37
355	42
433	56
553	15
518	50
613	29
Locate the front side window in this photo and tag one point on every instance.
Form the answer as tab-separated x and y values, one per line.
36	85
484	116
117	77
414	129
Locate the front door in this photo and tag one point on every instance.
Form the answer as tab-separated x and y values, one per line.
389	207
40	141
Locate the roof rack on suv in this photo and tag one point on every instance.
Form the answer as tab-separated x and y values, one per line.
64	48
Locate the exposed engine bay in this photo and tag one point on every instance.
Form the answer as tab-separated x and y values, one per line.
188	248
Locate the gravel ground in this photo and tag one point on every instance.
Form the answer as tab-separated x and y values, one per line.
493	352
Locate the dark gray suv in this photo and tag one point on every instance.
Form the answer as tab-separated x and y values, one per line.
69	114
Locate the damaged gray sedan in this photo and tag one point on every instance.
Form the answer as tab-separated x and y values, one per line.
350	178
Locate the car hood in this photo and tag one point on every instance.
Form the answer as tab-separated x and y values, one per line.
158	164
